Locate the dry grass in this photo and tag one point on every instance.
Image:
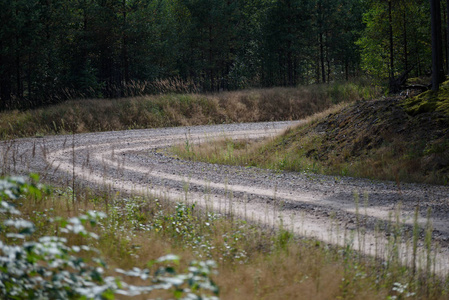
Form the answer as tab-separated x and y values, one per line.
253	263
344	140
260	153
170	110
293	274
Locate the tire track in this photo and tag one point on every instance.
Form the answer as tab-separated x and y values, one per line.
315	206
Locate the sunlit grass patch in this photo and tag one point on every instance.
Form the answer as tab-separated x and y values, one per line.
283	152
168	110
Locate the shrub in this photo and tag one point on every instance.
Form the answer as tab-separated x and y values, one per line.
48	267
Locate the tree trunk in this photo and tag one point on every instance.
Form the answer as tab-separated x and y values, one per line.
5	82
390	21
295	72
290	66
31	99
323	73
19	89
444	53
328	63
125	46
435	11
320	33
289	48
346	69
211	67
405	40
447	35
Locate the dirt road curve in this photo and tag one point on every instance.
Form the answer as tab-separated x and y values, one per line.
322	207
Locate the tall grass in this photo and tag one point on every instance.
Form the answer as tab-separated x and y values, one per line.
167	110
274	153
253	262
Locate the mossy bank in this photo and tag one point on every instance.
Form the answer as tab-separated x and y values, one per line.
429	102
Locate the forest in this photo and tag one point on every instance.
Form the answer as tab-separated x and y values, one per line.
53	50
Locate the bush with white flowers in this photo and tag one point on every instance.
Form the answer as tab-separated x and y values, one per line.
48	268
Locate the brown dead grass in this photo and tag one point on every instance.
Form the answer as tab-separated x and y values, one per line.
298	270
91	115
293	274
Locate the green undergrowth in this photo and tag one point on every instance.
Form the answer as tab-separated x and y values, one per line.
376	139
429	102
257	105
133	232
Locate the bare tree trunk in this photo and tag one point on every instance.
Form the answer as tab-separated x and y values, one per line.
328	63
437	64
447	35
346	69
289	48
320	36
295	72
290	64
19	87
390	21
5	80
211	66
323	73
125	46
405	40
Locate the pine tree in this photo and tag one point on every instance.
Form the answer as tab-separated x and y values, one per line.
437	57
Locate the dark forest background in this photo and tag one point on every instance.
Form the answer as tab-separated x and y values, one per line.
52	50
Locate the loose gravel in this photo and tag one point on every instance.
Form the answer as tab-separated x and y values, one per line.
316	206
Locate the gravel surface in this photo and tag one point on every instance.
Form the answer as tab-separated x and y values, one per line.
317	206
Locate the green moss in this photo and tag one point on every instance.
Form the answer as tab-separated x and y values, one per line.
444	107
429	101
418	80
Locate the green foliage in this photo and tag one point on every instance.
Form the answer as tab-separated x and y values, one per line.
47	267
374	43
63	49
429	101
410	36
185	228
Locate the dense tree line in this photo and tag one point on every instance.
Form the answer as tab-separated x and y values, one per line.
397	38
51	50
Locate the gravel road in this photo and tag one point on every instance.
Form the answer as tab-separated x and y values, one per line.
316	206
